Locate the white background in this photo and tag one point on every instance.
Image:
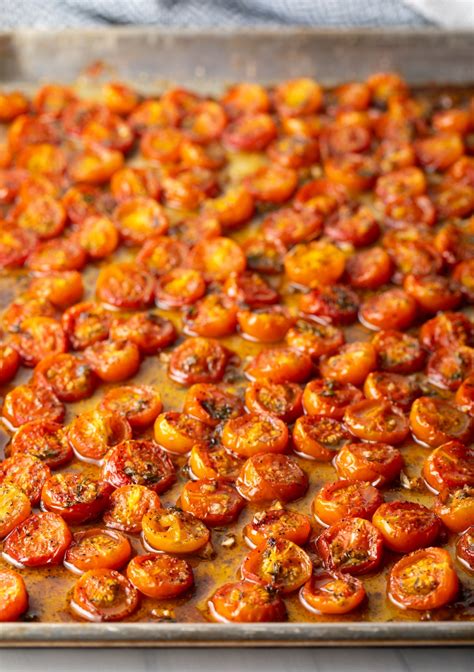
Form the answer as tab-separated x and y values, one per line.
243	660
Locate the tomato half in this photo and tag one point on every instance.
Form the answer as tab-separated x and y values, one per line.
351	365
377	420
103	595
352	545
125	285
174	531
272	477
215	502
92	433
26	403
96	548
275	524
280	365
127	506
149	331
332	593
177	432
254	433
314	339
246	602
377	463
329	398
13	595
160	575
138	462
75	496
14	507
278	563
212	404
456	508
198	360
71	378
113	361
451	465
319	437
346	499
434	421
139	404
41	539
465	549
45	440
282	400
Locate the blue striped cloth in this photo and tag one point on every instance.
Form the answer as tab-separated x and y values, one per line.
195	13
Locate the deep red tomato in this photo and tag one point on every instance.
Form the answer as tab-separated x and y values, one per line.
42	539
139	462
352	545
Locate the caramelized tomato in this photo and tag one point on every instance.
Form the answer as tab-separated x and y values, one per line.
174	531
272	477
278	563
346	499
254	433
377	420
138	462
353	546
96	548
319	437
215	502
41	539
246	602
103	595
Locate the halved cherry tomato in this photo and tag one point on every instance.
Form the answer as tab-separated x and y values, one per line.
412	251
82	201
265	325
70	378
406	526
206	462
447	330
177	432
254	433
353	96
352	545
439	151
174	531
215	502
354	172
15	507
213	316
451	465
456	508
315	263
434	421
149	331
13	595
246	602
132	182
314	339
278	563
245	98
346	499
399	390
139	462
337	304
277	524
27	473
180	287
42	539
211	404
272	477
288	226
162	144
282	400
377	420
127	506
298	97
377	463
37	338
16	245
351	365
423	580
392	309
154	113
61	289
103	595
198	360
92	433
401	184
272	183
233	208
217	258
29	402
75	496
125	285
44	216
160	575
319	437
197	228
447	367
139	404
250	289
464	397
463	274
433	292
410	210
139	218
45	440
9	363
98	235
465	549
23	308
96	548
330	593
161	254
113	361
119	98
187	188
86	323
95	165
293	151
329	398
280	365
63	254
250	133
398	352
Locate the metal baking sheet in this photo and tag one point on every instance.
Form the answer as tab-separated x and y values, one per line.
207	60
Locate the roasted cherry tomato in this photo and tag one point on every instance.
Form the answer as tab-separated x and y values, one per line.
254	433
213	316
174	531
250	289
398	352
92	433
96	548
272	477
71	378
212	404
16	245
250	133
319	437
346	499
392	309
406	526
127	506
277	524
95	165
395	388
29	402
103	595
272	183
423	580
23	308
14	507
149	331
161	254
352	545
9	363
113	361
377	420
335	305
215	502
37	338
449	466
447	330
282	400
280	365
315	263
217	258
378	463
465	549
198	360
27	473
41	539
278	563
447	367
329	398
177	432
125	285
434	421
351	365
63	254
314	339
332	593
139	462
139	404
464	397
98	235
75	496
298	97
456	508
245	98
265	325
86	323
433	292
160	576
206	462
45	440
61	289
180	287
246	602
13	595
288	226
